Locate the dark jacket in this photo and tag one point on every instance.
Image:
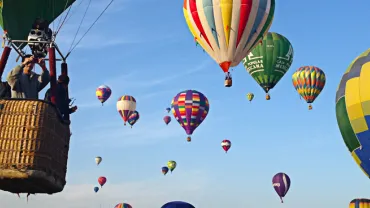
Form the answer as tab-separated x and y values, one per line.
62	99
5	90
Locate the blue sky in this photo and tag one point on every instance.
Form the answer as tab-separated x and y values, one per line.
143	48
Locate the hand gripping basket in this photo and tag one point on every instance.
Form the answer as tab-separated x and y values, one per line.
34	144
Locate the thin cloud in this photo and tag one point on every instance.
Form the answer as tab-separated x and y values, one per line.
153	192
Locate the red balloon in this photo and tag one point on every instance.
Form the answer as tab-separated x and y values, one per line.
102	180
226	144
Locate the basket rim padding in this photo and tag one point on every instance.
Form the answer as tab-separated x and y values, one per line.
16	174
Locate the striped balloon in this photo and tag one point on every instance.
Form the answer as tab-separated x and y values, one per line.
125	106
353	110
133	118
226	144
190	108
123	205
309	81
227	30
103	93
360	203
177	204
281	184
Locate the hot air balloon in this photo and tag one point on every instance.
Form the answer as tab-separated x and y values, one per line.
168	110
96	189
171	165
102	180
177	204
167	119
352	110
226	144
98	160
123	205
250	96
190	108
360	203
125	106
103	93
228	30
133	118
269	61
309	81
164	170
281	184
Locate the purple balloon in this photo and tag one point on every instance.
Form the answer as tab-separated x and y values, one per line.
167	119
281	184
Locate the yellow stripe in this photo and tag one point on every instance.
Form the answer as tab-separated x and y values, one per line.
358	161
365	88
192	30
354	107
226	12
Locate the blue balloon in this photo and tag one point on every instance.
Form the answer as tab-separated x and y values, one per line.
177	204
96	189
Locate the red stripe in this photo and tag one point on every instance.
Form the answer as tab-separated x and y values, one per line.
194	13
245	10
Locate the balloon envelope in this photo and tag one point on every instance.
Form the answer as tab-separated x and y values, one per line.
168	110
171	165
226	144
190	108
167	119
250	96
125	106
98	160
123	205
177	204
228	30
96	189
103	93
352	110
102	180
281	184
165	170
359	203
133	118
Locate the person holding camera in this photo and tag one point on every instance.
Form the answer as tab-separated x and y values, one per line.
24	82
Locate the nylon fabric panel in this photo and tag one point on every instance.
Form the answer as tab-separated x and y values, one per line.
226	13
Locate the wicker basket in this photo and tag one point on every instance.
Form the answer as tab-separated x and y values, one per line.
34	144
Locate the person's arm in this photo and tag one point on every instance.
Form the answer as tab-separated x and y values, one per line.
44	78
13	76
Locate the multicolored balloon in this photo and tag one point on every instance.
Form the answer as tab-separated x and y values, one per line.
352	110
190	108
103	93
98	160
226	144
96	189
102	180
165	170
133	118
123	205
177	204
167	119
309	81
227	31
125	106
250	96
268	62
281	184
171	165
360	203
168	110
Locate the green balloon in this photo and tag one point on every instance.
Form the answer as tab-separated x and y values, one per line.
270	60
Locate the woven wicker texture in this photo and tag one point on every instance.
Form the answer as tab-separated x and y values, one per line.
34	145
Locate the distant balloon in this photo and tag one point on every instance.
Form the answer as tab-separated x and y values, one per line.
281	184
177	204
250	96
102	180
188	139
171	165
167	119
123	205
309	81
164	170
103	93
226	144
133	118
98	160
359	203
96	189
125	106
168	110
190	108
